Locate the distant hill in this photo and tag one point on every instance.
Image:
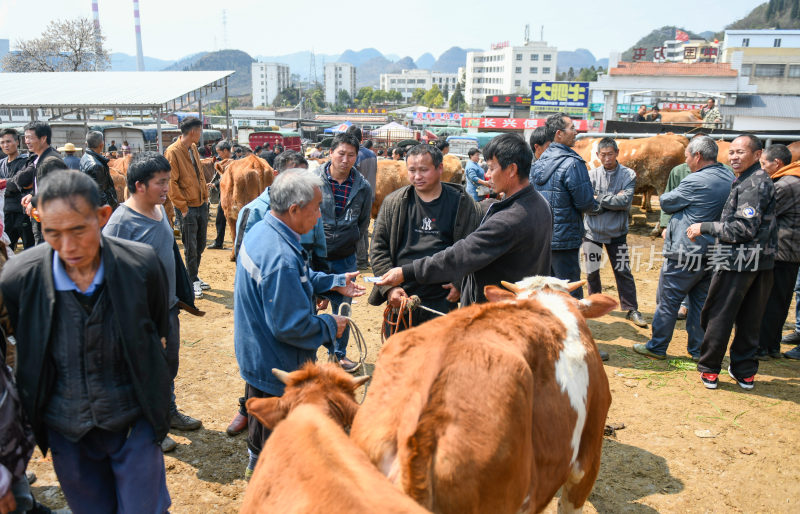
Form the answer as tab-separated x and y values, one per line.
425	61
775	14
185	62
360	57
238	84
124	62
580	58
452	59
655	39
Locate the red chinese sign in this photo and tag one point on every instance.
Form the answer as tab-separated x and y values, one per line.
639	54
496	100
366	111
525	123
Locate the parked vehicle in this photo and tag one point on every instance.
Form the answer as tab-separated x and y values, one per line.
460	145
289	139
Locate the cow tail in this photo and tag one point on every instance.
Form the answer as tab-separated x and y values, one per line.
420	450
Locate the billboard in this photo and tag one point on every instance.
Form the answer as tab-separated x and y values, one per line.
507	100
560	94
437	116
525	123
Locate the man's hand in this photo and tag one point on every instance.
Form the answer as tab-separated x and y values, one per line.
322	303
693	231
454	294
664	234
26	204
341	324
164	342
7	503
393	277
395	296
350	287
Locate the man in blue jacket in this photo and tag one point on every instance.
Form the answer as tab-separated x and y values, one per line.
274	315
560	175
698	198
346	208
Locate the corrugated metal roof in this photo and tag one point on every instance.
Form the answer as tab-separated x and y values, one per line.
123	89
768	106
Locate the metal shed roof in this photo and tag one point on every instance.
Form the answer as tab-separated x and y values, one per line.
768	106
109	89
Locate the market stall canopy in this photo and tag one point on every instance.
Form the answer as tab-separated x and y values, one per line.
393	129
107	89
338	129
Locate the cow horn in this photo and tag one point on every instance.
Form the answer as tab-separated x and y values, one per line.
511	287
572	286
359	381
281	375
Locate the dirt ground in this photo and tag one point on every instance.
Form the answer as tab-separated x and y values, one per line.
683	448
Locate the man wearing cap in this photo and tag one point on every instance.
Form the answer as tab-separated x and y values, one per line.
72	162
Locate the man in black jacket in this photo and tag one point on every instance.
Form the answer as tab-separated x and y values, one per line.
91	369
743	260
512	241
17	223
417	221
96	166
42	160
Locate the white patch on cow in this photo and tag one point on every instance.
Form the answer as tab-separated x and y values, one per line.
572	372
594	159
565	507
633	152
535	283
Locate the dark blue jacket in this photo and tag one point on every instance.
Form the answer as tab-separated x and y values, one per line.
560	175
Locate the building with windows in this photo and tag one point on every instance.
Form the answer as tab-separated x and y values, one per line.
339	76
407	81
769	58
508	70
268	79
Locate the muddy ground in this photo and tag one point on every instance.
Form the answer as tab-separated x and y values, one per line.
683	448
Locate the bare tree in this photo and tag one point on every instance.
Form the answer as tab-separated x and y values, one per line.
65	45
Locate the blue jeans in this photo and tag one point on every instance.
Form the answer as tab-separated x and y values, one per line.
566	265
112	471
675	284
346	265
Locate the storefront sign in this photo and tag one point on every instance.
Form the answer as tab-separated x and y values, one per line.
560	94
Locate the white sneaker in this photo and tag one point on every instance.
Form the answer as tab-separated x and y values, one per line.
198	289
203	285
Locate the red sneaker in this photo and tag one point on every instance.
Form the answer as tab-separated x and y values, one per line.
745	383
710	380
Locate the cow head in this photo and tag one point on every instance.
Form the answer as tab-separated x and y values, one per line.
324	385
594	306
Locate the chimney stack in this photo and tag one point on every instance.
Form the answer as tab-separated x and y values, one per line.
139	54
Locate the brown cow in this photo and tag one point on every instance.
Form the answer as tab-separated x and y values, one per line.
308	464
689	118
652	158
119	174
795	149
244	179
393	175
494	407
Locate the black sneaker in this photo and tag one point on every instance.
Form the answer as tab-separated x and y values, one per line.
181	421
744	383
168	444
603	355
794	353
793	338
710	380
762	355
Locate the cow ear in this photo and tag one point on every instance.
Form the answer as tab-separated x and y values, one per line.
496	294
269	411
596	305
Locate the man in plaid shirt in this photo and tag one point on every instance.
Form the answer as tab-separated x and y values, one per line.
346	206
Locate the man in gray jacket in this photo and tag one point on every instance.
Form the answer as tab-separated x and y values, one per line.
346	207
613	186
698	198
743	259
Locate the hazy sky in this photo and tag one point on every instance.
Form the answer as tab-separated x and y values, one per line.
175	28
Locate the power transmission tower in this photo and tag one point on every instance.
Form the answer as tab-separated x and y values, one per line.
224	29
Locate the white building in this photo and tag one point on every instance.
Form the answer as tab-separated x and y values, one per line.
269	79
770	58
408	80
339	76
508	70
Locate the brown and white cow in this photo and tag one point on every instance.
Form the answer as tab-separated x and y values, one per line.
308	464
244	179
494	407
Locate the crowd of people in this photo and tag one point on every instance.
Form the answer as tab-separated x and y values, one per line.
95	366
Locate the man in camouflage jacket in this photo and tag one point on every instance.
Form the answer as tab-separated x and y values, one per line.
743	259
